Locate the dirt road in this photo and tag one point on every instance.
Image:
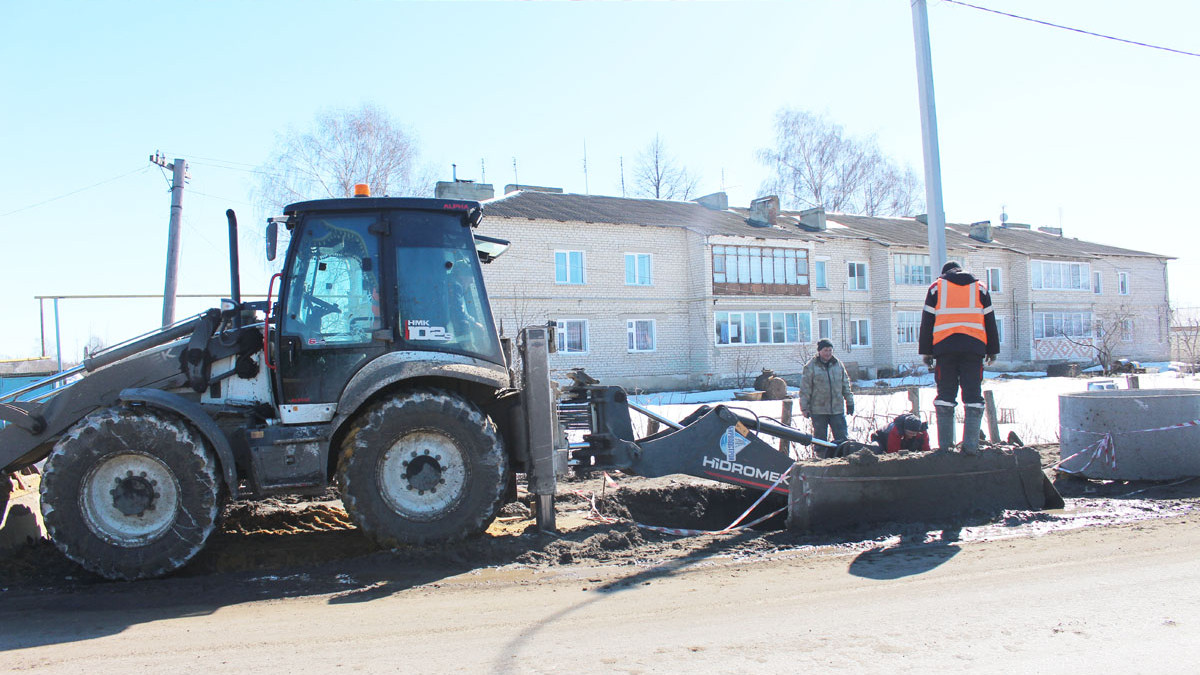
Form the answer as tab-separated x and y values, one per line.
1123	598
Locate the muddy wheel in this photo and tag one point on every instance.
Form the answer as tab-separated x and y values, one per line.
130	494
423	466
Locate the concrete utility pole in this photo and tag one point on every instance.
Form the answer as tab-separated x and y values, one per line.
935	213
178	173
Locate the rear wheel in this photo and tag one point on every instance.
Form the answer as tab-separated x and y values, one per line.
130	494
423	466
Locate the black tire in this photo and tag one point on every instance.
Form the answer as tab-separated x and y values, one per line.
420	467
130	494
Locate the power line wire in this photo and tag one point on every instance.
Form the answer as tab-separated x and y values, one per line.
75	192
1076	30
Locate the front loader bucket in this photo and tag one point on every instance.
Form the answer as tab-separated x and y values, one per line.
867	488
20	510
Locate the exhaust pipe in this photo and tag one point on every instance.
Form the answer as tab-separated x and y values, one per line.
235	282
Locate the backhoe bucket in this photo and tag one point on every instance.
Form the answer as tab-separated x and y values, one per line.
867	488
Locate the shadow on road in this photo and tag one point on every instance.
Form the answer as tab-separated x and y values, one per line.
912	556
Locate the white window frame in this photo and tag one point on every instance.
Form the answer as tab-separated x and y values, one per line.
908	327
821	279
854	280
562	335
1060	275
1069	319
760	265
1096	276
1122	283
567	268
999	330
825	329
994	277
860	328
631	333
750	328
632	264
903	266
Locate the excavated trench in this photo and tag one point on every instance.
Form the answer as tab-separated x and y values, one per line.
313	542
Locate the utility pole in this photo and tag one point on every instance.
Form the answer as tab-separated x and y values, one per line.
178	174
935	213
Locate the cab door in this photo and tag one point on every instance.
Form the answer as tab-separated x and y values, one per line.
333	320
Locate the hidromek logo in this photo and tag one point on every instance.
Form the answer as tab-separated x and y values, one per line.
740	469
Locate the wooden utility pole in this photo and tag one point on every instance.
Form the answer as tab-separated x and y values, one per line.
178	174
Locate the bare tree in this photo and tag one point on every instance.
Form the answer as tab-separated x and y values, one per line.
659	175
1110	328
815	164
1185	337
344	147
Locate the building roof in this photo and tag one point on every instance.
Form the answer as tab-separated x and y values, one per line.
626	211
888	231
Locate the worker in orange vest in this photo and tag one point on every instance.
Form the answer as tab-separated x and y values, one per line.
958	331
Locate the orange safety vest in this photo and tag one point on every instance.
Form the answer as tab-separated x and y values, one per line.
958	311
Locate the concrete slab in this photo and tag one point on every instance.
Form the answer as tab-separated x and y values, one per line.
866	488
1130	434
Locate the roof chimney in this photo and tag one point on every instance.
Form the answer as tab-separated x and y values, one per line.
513	187
764	211
982	231
717	201
463	189
813	220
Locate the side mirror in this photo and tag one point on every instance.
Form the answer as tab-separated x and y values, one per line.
272	238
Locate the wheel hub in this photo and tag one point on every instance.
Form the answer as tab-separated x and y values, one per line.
129	498
423	472
423	475
134	495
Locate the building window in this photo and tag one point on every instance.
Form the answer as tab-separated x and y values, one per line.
568	267
641	335
908	327
824	329
994	283
1060	276
637	269
911	269
999	330
857	276
1062	324
860	332
819	277
752	328
1126	330
759	270
1096	283
572	336
1122	283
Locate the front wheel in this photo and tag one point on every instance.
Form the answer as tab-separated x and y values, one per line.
130	494
422	466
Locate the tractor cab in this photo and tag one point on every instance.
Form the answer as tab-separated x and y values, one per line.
369	277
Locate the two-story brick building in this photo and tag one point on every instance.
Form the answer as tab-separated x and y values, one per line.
657	294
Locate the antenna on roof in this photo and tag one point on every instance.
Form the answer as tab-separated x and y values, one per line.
1003	214
622	160
482	173
515	179
585	176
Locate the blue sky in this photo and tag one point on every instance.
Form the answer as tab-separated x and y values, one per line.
1059	128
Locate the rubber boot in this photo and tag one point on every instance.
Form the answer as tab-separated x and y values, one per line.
945	425
972	419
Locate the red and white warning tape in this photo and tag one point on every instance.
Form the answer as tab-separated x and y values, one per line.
1105	449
